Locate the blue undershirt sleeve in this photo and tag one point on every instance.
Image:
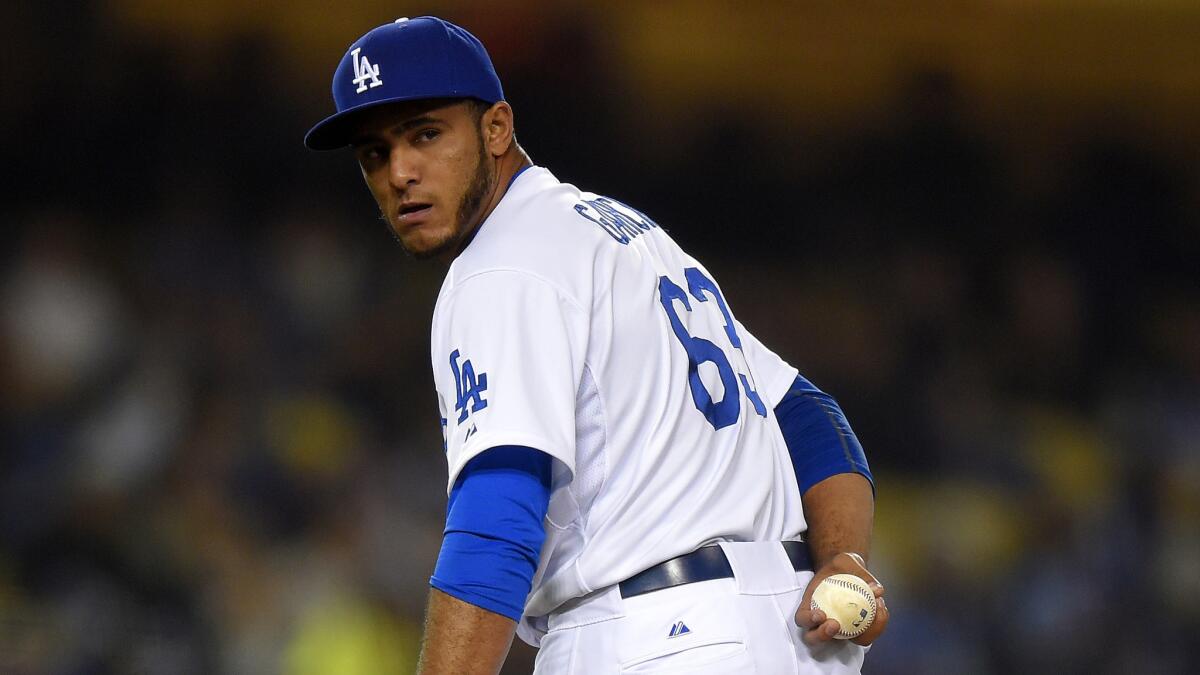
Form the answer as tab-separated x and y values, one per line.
819	439
494	531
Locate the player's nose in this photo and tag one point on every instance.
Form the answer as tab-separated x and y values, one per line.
402	169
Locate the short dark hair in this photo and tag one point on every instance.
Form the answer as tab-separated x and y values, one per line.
477	107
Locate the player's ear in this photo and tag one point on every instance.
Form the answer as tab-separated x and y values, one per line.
497	124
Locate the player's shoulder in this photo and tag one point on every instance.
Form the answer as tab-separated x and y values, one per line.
550	231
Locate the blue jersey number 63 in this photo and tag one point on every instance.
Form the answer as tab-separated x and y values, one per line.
718	413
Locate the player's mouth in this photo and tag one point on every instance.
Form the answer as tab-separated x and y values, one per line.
413	213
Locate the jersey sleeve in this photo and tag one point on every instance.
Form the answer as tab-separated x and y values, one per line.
773	375
508	351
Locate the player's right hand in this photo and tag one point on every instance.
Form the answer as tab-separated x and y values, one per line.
820	629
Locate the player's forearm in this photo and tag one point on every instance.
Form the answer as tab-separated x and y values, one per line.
461	638
840	512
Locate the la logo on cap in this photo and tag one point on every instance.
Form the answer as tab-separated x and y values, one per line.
364	71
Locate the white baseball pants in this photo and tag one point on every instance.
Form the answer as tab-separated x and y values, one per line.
740	625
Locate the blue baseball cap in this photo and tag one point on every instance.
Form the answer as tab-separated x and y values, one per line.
406	60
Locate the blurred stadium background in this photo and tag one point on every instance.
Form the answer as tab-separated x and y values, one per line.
977	223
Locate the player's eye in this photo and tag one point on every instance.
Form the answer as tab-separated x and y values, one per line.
371	153
426	135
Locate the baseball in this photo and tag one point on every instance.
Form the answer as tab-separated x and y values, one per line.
848	599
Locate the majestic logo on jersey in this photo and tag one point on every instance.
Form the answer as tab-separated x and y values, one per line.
468	388
620	221
364	72
680	628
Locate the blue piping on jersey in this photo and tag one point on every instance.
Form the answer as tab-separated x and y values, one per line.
471	237
514	176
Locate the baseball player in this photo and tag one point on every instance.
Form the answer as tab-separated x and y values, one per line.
636	484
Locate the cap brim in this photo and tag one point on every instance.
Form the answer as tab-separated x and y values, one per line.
334	132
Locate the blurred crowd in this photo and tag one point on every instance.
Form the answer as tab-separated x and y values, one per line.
221	450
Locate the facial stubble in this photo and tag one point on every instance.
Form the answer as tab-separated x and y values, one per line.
482	182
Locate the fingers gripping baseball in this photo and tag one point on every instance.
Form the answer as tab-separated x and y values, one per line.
818	626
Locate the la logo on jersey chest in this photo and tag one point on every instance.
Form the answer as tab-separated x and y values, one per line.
364	71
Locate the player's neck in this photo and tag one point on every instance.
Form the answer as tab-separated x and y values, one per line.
509	165
512	163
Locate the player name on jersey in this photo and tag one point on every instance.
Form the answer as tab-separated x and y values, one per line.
621	222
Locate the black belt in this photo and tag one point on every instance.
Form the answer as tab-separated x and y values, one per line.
703	564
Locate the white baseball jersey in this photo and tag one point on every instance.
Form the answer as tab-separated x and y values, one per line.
573	324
